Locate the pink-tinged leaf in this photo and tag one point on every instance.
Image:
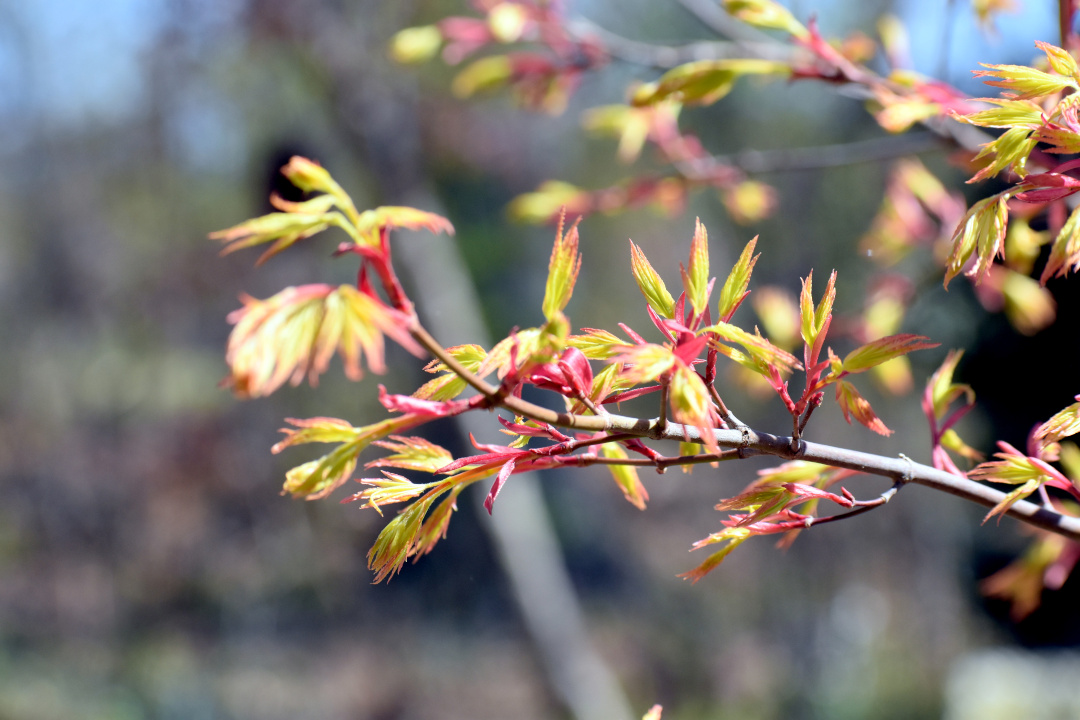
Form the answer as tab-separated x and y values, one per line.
283	229
815	321
1007	114
737	282
296	332
876	352
371	223
801	493
1065	251
1045	195
318	478
436	524
762	352
852	403
696	278
597	344
500	480
1014	467
398	540
645	363
426	408
387	490
1011	499
317	430
412	453
982	233
1024	82
576	369
650	283
1061	425
562	270
1060	60
732	537
691	404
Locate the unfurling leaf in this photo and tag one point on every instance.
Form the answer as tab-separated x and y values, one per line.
412	453
879	351
733	537
696	278
650	283
284	229
980	232
1011	148
297	331
761	352
1024	82
597	344
625	476
1007	114
815	322
399	539
388	490
942	392
1015	468
1062	425
644	363
371	223
1065	252
449	385
562	271
737	282
692	405
318	478
852	403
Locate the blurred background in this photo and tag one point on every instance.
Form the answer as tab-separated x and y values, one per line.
149	567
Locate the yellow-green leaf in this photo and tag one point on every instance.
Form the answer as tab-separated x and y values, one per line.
650	284
737	282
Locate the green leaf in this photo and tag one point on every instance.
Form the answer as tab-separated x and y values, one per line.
737	282
650	284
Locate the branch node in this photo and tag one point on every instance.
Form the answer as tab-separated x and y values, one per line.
908	475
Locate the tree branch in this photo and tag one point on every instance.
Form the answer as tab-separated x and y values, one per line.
900	468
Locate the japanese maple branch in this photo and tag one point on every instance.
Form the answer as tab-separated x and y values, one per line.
900	469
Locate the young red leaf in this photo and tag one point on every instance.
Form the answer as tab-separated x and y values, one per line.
852	403
500	480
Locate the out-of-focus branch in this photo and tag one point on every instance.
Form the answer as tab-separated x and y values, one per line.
664	57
